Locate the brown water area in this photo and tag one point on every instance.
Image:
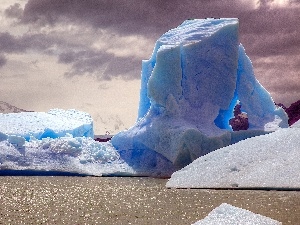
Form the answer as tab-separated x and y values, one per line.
124	200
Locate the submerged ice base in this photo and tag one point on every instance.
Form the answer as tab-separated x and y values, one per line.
197	73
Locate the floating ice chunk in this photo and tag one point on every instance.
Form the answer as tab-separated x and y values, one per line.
55	123
81	155
269	161
227	214
75	155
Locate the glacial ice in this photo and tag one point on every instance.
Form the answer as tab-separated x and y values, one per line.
55	123
190	85
78	155
227	214
57	141
263	162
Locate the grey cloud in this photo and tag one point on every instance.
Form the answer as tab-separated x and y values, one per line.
14	11
156	16
13	44
3	60
282	88
36	41
81	57
9	43
130	16
82	61
86	62
97	13
273	45
103	66
125	68
153	18
264	31
72	56
285	93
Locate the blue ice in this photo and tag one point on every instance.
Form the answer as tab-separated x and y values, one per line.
189	87
55	123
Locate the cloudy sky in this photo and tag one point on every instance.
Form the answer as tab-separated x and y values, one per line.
86	54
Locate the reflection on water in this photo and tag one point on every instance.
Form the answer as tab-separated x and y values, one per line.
116	200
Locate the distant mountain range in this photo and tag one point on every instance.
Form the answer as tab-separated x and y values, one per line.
8	108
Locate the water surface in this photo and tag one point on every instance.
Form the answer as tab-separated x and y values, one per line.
123	200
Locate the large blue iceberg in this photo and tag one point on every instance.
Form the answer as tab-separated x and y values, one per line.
196	75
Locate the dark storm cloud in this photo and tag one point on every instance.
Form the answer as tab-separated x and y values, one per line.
271	32
32	41
92	62
130	16
84	62
13	44
265	31
127	15
147	18
152	18
8	43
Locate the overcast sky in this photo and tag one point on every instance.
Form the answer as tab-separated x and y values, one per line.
86	54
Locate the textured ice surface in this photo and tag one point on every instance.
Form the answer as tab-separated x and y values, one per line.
35	143
81	155
267	161
76	155
189	88
254	98
227	214
55	123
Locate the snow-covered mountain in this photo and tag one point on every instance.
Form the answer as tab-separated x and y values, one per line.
8	108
